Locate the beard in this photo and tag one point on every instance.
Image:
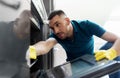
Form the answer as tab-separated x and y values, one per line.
61	35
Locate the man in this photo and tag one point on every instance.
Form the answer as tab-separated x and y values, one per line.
76	37
14	42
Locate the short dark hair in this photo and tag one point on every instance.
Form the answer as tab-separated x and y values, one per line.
56	12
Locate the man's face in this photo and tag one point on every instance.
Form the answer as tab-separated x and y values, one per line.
60	26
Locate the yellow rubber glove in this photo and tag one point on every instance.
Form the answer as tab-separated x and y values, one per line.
109	54
32	51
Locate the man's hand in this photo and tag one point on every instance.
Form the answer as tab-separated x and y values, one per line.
32	51
109	54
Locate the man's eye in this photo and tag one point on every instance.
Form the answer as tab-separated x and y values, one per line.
57	24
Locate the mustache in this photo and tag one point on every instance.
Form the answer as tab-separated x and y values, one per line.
59	33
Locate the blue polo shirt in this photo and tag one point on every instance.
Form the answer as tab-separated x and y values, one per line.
83	42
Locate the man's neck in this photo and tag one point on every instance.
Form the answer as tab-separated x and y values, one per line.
70	32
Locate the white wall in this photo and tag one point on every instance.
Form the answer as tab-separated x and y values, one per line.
95	10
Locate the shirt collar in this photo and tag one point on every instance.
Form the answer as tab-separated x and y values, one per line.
74	26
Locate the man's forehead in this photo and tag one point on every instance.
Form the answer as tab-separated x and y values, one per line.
55	19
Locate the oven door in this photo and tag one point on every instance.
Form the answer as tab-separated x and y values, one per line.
83	67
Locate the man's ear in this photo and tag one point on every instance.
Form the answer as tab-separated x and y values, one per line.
67	20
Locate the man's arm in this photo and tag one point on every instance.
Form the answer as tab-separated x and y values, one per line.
108	36
111	53
116	46
44	47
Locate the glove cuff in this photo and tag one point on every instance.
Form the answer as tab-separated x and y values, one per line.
33	54
113	54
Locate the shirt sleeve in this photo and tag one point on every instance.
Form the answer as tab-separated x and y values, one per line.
95	29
